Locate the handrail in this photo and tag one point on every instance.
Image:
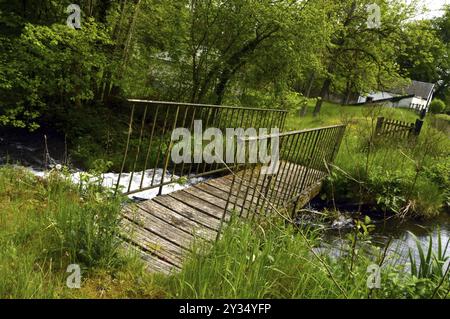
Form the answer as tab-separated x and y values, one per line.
300	161
149	143
251	138
207	105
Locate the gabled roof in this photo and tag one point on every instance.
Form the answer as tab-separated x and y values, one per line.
417	88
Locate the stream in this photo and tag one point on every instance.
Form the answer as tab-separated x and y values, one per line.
38	153
400	235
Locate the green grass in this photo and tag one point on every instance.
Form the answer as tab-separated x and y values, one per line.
251	261
333	114
47	224
388	175
272	260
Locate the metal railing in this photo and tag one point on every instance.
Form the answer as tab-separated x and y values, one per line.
147	155
303	162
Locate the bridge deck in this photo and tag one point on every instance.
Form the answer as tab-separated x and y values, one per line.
163	229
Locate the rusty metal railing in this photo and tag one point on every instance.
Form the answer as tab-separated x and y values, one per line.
303	162
148	147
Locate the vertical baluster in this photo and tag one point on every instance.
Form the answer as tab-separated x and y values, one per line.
161	139
183	125
307	140
149	145
168	151
191	128
130	131
210	114
259	186
293	168
138	148
266	179
250	184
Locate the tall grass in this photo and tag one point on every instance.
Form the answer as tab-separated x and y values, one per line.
251	261
430	263
274	261
393	176
46	225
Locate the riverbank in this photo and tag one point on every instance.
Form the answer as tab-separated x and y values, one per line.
48	224
387	176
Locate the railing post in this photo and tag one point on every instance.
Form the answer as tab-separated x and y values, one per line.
380	121
130	131
418	127
337	143
168	153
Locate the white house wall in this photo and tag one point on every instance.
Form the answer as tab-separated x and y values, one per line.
404	102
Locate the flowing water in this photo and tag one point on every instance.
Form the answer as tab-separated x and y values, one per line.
402	237
43	150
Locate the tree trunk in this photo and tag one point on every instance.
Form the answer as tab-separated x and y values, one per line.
312	78
323	93
107	77
126	52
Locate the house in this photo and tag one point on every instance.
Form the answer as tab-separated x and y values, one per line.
417	95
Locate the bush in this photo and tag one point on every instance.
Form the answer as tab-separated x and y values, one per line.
49	68
437	106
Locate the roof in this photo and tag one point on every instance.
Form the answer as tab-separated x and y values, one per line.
391	99
417	88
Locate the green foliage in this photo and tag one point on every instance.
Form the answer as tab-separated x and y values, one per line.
437	106
251	261
49	68
272	260
430	263
46	225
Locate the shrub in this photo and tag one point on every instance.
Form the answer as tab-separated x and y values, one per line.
437	106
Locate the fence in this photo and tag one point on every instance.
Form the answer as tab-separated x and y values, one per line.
399	129
148	147
303	159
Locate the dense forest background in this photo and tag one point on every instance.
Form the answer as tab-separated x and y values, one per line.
242	52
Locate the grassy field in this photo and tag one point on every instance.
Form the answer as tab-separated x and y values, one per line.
333	114
407	178
45	225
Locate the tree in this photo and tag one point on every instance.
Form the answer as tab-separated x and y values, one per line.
357	54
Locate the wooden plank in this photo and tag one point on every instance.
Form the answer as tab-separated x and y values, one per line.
211	188
158	227
153	263
281	187
150	242
198	203
189	226
216	187
188	211
201	194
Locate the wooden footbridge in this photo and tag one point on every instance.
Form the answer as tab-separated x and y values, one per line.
163	229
